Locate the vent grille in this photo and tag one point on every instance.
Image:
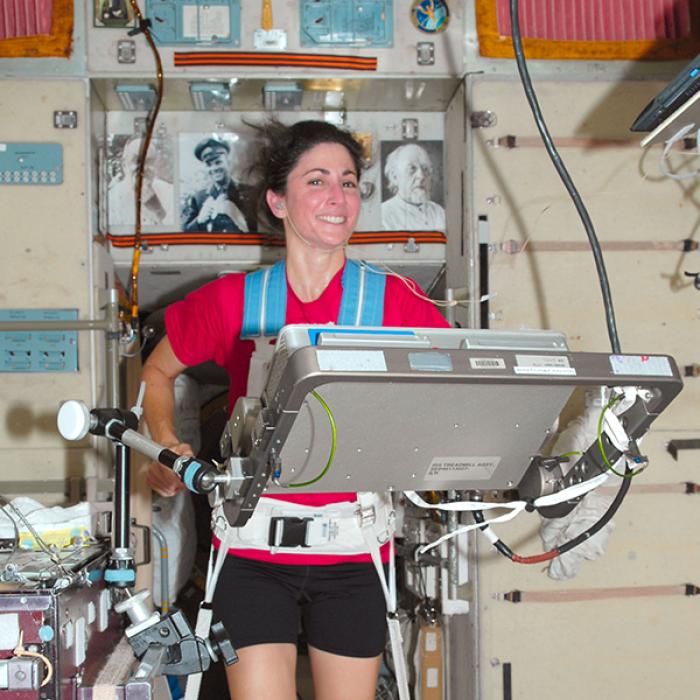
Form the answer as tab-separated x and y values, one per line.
599	20
20	18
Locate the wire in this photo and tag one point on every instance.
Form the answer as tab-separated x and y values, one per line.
599	263
15	543
678	136
135	353
55	559
629	473
564	175
334	441
551	554
150	125
19	650
387	271
412	286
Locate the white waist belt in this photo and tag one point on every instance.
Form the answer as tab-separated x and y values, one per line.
336	528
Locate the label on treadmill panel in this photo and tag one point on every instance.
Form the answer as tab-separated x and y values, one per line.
351	360
487	363
641	364
447	468
543	364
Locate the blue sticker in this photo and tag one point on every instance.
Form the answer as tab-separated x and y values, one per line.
430	16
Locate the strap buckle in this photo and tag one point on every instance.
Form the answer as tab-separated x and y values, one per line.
288	532
367	516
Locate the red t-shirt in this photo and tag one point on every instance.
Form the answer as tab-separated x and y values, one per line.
206	326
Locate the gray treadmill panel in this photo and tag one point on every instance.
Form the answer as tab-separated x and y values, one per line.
447	435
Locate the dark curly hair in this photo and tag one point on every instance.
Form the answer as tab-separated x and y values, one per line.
281	147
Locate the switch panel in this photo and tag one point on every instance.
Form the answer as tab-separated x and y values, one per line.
343	23
31	164
38	351
195	22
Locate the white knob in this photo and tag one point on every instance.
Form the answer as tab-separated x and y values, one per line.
73	420
135	606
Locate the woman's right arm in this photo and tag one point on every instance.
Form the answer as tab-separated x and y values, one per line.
159	374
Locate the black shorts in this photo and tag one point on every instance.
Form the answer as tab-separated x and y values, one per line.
341	606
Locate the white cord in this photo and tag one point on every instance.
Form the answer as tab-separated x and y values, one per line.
473	526
413	288
678	136
408	282
514	508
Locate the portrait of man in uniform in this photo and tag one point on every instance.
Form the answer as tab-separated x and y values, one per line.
412	195
213	200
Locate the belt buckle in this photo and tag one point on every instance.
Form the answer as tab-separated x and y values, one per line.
367	516
288	532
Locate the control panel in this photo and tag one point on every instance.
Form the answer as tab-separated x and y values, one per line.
344	23
31	164
38	351
195	22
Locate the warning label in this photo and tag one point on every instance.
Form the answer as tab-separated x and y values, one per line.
455	468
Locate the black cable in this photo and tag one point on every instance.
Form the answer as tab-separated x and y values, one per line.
612	509
500	545
595	247
564	175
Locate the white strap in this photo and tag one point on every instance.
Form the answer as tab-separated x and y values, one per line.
371	537
397	654
513	508
360	296
205	614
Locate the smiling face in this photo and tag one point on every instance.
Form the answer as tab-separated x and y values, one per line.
322	202
218	165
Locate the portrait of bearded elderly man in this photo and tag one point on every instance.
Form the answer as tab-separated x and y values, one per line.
410	173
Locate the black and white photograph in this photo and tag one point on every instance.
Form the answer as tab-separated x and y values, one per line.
214	196
412	186
158	192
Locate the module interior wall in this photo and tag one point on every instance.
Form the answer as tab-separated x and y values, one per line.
615	648
628	647
44	265
400	59
656	306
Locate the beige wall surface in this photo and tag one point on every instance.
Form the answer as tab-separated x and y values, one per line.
626	647
44	265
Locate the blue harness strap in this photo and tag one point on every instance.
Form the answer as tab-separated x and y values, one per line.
264	301
265	298
363	295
